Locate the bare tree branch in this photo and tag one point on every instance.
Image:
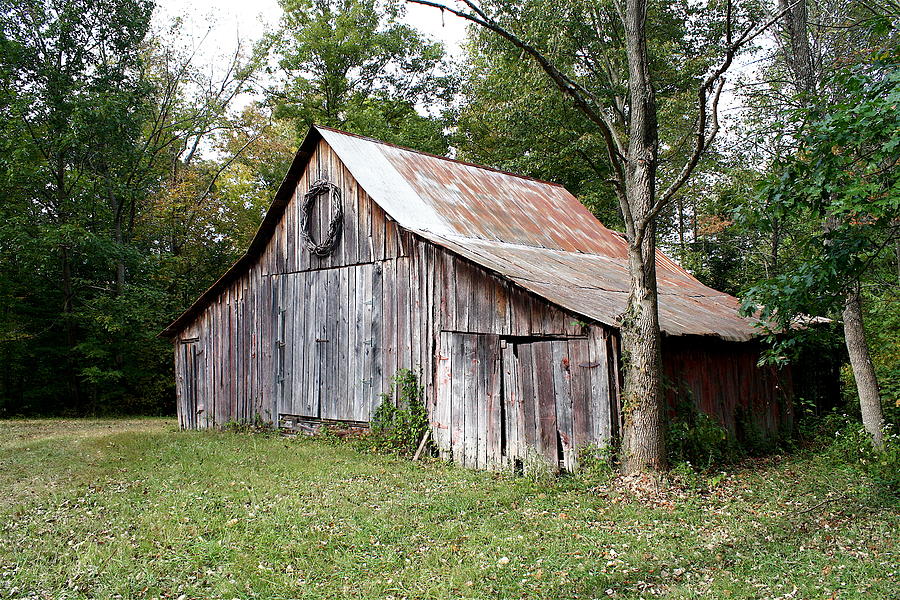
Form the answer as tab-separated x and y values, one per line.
579	95
714	80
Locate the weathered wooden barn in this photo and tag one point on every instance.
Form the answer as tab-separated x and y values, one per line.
501	291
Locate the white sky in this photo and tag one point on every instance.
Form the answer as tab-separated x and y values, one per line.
230	20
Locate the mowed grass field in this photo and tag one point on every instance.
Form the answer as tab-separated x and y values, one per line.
138	509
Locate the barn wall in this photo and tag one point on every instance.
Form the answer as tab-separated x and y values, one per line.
724	381
322	337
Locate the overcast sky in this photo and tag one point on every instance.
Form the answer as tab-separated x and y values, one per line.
233	19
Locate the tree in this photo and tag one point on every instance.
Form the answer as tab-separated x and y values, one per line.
75	68
845	174
512	116
810	87
350	64
625	115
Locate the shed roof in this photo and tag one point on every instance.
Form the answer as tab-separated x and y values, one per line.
533	233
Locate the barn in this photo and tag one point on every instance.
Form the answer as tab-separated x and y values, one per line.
502	292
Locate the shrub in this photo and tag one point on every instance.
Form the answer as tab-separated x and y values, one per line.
597	462
851	444
696	438
400	420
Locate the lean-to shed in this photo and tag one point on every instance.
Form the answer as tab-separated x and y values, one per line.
501	291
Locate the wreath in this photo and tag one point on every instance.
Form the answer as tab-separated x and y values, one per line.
322	187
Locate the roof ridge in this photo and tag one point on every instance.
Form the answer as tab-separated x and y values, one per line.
438	156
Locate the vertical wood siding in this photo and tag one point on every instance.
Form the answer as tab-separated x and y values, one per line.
723	380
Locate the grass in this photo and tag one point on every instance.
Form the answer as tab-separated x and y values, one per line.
137	509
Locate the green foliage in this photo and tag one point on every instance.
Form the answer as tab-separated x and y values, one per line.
695	438
75	336
845	180
597	462
111	223
852	445
351	64
401	419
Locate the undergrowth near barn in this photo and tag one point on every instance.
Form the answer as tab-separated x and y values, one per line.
96	509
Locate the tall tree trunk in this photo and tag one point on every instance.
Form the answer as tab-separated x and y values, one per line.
799	57
643	433
68	310
643	436
120	246
861	362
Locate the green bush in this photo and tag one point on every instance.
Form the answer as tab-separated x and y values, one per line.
597	462
851	444
401	419
696	438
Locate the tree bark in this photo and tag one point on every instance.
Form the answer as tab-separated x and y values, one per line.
643	433
799	57
119	239
68	310
643	439
863	370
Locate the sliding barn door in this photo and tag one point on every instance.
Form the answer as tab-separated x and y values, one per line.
467	420
520	403
547	392
328	359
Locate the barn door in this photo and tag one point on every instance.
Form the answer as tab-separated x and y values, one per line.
189	376
327	337
548	401
299	343
518	402
467	419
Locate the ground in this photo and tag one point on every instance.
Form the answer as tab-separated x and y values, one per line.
138	509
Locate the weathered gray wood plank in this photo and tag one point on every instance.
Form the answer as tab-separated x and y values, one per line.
546	396
562	374
440	417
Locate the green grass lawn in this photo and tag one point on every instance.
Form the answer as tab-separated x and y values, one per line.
137	509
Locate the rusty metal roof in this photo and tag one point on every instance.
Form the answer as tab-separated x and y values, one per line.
533	233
